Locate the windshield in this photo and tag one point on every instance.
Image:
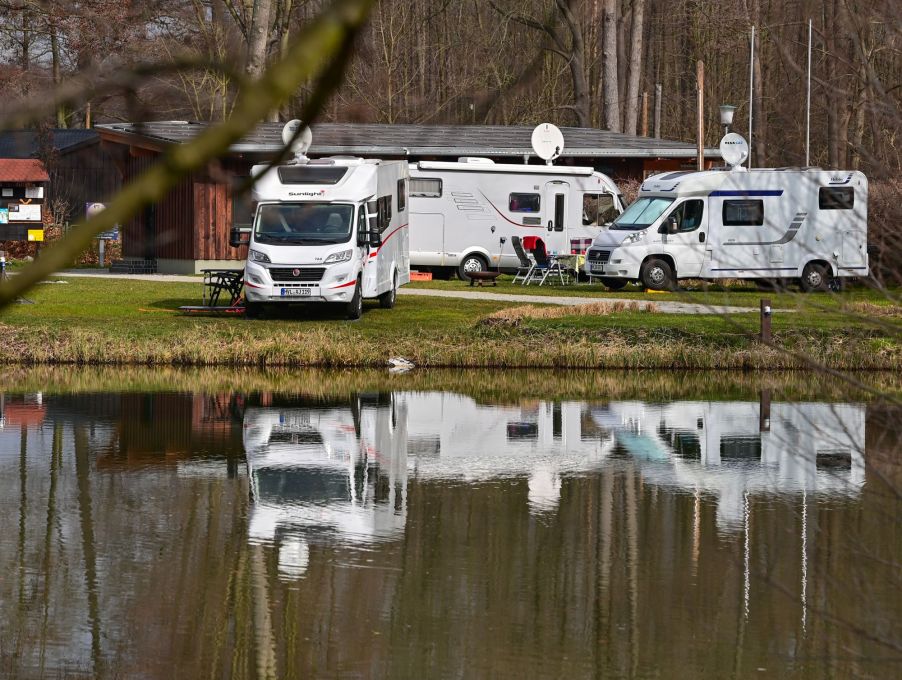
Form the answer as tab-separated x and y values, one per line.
303	223
642	213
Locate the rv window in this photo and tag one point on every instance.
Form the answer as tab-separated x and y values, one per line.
425	188
384	212
243	205
598	209
689	215
402	195
310	174
836	198
746	213
528	203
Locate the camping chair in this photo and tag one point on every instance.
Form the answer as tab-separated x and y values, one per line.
526	263
539	271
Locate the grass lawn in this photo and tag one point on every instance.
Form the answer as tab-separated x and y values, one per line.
735	294
119	321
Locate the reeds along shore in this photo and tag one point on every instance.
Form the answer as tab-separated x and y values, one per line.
479	346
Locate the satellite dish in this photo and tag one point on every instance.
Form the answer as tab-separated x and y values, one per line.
547	142
734	149
299	144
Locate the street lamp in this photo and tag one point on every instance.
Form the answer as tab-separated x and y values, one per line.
726	116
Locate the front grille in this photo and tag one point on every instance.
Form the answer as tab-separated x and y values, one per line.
599	255
287	274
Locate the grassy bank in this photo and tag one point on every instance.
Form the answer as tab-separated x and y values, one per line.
96	321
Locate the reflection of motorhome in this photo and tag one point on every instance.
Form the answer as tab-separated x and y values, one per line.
338	469
733	448
809	225
460	212
328	230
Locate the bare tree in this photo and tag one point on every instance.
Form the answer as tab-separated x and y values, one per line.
635	68
609	78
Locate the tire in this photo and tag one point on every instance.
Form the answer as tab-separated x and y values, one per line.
814	278
612	283
354	308
253	310
471	263
657	275
387	299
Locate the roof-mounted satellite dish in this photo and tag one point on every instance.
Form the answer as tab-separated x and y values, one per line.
298	143
734	149
547	142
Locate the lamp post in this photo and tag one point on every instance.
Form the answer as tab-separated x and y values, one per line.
726	116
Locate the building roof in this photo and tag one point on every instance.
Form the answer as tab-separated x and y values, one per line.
22	170
372	139
24	143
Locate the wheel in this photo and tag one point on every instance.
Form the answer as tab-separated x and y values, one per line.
657	275
611	283
814	278
253	310
387	299
354	308
471	263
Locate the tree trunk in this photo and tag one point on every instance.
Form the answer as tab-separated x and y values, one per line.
577	64
635	68
258	43
55	69
609	86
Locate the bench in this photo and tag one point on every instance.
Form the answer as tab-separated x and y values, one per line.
482	278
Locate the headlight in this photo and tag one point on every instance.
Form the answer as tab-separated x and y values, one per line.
634	237
257	256
341	256
253	278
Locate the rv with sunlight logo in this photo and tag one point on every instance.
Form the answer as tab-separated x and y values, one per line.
326	230
776	225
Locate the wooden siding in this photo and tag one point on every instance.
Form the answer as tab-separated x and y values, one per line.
213	220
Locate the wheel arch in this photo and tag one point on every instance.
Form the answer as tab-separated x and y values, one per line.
660	256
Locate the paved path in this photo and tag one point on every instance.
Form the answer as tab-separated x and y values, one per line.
664	306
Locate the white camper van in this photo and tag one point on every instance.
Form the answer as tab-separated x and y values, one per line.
805	224
328	230
464	214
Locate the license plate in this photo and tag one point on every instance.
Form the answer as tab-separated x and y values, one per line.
297	292
596	267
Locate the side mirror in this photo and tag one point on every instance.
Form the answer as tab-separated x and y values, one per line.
673	226
239	236
375	239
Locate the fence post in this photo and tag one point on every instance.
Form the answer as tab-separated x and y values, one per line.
765	320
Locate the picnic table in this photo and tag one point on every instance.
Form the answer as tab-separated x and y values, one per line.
220	284
219	281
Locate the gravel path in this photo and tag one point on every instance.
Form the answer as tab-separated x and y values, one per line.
667	307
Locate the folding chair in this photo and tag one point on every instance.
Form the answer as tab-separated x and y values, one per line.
526	263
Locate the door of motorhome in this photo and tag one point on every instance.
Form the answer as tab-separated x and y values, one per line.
464	214
807	225
328	230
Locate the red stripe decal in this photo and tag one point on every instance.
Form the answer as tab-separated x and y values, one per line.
251	285
344	285
373	254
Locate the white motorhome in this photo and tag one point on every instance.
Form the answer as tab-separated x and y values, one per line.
328	230
808	225
464	214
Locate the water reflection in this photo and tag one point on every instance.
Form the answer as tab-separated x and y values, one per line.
434	534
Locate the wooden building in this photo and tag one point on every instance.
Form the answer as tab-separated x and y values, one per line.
189	229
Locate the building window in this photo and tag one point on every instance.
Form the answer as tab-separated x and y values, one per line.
598	209
402	195
836	198
746	213
527	203
425	187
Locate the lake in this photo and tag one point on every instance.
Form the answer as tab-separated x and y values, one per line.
447	525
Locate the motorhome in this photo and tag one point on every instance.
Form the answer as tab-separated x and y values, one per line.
464	214
327	230
806	225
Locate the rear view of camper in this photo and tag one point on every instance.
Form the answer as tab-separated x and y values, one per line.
784	225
